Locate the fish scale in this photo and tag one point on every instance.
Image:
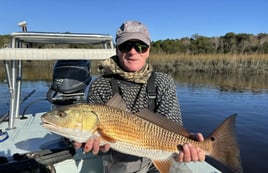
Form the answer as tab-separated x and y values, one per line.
143	134
139	133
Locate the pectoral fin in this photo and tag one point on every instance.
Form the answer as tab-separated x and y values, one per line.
105	137
163	166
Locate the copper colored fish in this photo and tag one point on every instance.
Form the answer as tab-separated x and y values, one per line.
144	134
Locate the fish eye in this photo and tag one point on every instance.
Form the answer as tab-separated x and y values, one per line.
212	138
62	114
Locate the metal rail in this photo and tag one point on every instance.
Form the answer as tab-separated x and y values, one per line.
19	50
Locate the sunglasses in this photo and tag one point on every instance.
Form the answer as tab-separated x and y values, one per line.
139	46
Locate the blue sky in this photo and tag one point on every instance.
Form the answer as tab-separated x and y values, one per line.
166	19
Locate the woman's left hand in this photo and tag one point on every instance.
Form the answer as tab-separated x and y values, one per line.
190	152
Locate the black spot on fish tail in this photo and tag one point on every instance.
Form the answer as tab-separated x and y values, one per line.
225	147
212	138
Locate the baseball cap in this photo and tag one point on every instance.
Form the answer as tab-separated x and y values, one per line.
132	30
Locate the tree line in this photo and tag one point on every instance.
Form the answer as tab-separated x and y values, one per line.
230	43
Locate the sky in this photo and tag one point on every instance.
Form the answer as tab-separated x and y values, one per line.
165	19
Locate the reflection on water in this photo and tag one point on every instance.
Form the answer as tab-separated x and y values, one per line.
226	82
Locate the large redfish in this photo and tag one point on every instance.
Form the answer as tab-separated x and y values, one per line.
144	134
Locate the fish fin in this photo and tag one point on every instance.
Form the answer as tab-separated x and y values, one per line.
105	137
225	146
163	122
117	102
163	166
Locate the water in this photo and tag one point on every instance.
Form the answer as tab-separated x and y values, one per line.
35	102
204	105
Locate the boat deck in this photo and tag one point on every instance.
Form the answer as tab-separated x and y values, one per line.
29	136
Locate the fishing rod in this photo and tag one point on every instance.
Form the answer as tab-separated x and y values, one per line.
3	134
30	104
4	117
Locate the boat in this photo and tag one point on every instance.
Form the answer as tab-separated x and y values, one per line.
25	146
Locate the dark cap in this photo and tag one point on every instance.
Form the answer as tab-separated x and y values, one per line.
132	30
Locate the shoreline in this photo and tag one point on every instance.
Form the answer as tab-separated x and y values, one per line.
256	64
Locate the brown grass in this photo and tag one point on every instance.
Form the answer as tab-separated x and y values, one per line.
219	63
170	63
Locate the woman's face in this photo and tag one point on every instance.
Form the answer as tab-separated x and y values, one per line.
133	55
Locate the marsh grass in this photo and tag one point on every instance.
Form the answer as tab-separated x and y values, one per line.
228	72
216	63
33	70
256	64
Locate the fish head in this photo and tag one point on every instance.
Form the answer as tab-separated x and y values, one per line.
76	122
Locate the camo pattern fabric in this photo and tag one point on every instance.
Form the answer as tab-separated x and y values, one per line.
111	67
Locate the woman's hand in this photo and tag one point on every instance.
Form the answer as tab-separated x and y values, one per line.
191	153
93	145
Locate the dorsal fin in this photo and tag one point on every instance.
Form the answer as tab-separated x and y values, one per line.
163	122
117	102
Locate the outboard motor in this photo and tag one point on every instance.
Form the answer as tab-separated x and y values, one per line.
70	80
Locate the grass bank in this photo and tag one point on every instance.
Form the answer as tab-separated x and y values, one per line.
171	64
213	63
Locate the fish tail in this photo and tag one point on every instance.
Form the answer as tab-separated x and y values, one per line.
224	145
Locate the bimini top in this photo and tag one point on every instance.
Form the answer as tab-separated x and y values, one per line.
64	38
16	51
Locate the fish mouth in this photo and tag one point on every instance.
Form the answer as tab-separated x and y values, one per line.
72	134
53	128
48	124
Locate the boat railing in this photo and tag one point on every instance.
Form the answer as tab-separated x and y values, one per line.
20	50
